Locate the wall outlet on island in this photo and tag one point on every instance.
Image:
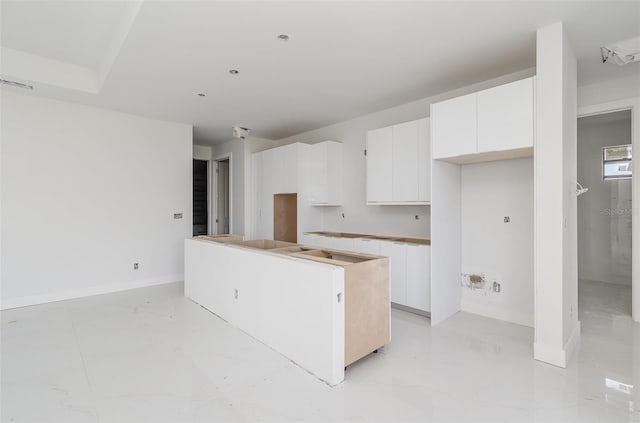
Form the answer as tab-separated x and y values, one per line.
136	266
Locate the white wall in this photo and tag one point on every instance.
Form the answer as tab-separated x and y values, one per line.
381	220
237	179
604	212
501	251
240	151
557	329
614	89
86	192
202	152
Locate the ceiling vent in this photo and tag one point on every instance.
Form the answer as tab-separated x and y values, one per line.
16	84
622	52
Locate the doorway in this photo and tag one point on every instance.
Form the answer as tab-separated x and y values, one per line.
605	214
200	197
223	195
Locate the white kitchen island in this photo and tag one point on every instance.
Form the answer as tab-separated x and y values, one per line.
323	309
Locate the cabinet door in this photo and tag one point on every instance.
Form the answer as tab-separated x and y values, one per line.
405	161
271	176
418	268
287	156
453	127
424	161
366	246
323	241
398	269
333	172
505	117
316	171
379	165
256	197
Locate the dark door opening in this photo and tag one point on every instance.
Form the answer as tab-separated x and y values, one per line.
200	197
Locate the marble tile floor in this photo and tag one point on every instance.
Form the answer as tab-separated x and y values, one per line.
151	355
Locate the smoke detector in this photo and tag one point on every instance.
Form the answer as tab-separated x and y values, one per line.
622	52
240	132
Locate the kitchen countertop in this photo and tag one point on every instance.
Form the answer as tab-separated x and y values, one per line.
422	241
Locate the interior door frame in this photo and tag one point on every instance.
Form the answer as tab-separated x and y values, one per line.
213	175
632	104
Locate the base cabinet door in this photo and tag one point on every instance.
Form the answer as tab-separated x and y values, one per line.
418	276
339	243
397	269
366	246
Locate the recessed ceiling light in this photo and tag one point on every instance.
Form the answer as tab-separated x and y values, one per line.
283	37
234	71
201	94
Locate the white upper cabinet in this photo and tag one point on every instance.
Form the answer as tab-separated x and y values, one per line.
398	165
405	162
453	127
424	161
505	117
380	165
287	159
496	123
325	174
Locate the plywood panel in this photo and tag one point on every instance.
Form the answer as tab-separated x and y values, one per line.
285	217
367	308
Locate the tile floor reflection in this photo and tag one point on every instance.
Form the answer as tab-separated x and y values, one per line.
152	355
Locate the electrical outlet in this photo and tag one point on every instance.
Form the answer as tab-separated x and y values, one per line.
177	215
507	219
235	294
135	266
417	217
496	287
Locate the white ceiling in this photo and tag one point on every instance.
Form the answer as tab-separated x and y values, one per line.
344	59
73	32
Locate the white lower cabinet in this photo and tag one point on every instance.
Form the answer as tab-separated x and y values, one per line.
366	246
409	265
339	243
397	268
418	276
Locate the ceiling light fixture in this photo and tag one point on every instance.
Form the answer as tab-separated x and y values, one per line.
16	84
234	71
201	94
283	37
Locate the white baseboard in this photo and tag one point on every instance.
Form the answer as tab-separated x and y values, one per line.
573	341
555	356
519	318
30	300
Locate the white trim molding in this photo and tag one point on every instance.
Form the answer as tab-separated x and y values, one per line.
87	292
